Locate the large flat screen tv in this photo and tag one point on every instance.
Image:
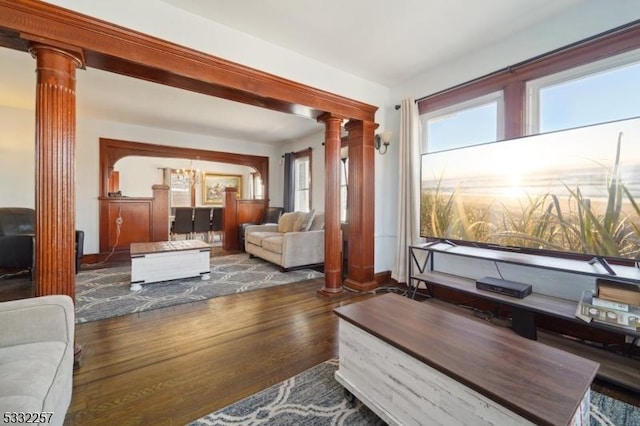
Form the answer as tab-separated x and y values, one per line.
575	192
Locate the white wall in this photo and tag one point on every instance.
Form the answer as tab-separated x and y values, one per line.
18	161
386	201
17	153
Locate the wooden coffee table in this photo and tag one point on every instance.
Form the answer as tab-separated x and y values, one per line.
169	260
415	363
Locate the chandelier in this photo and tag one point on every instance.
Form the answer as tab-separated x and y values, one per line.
190	176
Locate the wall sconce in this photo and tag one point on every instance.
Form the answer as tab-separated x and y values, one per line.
381	142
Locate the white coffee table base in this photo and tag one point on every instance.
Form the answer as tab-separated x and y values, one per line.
169	261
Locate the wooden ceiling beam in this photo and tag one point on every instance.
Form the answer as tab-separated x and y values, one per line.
116	49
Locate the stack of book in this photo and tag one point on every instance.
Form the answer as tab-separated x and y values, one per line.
614	302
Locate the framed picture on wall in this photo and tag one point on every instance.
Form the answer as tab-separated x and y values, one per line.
214	184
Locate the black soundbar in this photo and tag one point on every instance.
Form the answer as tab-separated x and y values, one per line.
506	287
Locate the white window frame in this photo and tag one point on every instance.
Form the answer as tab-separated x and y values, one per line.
257	186
307	189
497	96
344	183
533	87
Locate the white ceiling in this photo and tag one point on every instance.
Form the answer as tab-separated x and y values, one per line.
397	40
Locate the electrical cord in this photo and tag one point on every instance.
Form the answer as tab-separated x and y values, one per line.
498	270
119	221
387	289
485	315
14	274
391	289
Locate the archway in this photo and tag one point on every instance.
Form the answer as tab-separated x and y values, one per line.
102	45
112	150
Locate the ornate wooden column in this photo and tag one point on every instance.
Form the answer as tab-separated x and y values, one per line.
360	214
332	238
55	169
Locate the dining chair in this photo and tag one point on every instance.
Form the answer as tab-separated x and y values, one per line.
183	222
216	222
202	221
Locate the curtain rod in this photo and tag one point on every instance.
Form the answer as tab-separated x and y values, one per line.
310	149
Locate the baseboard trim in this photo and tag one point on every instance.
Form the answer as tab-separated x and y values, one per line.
383	278
361	286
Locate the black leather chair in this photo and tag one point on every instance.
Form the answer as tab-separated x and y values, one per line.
79	249
216	222
17	231
183	222
17	239
202	221
270	215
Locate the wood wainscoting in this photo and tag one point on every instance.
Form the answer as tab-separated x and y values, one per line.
235	212
126	220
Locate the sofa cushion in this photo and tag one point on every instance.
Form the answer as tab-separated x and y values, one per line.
257	238
304	221
273	244
318	222
29	374
287	222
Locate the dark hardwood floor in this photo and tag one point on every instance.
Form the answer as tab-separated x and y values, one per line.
173	365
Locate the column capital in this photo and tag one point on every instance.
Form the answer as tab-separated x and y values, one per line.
39	44
327	117
353	125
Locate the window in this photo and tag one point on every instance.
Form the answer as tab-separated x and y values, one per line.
589	82
467	123
592	81
182	193
302	180
598	92
344	179
257	187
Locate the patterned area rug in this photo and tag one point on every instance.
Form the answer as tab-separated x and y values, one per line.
611	412
105	293
314	397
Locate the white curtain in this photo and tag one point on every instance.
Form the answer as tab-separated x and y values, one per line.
408	230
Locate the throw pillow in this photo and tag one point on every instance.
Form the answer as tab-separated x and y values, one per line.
318	222
287	222
304	221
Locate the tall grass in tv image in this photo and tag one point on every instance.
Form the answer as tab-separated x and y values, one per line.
575	191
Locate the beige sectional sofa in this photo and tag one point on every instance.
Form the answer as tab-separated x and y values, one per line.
296	240
36	358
